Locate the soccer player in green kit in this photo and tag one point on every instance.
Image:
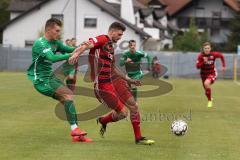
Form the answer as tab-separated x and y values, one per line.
41	73
132	61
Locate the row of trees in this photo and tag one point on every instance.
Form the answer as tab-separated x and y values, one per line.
192	39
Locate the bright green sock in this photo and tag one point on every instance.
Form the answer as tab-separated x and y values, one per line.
70	112
134	93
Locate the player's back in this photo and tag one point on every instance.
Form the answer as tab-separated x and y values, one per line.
101	57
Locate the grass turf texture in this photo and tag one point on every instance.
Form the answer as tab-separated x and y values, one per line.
30	129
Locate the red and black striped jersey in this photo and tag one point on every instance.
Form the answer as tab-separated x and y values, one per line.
208	67
101	59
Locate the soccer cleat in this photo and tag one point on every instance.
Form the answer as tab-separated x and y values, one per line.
81	139
78	132
144	141
210	103
103	127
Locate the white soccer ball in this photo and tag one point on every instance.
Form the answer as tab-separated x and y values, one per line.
179	127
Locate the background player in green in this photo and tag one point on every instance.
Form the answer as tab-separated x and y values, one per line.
132	61
70	70
41	73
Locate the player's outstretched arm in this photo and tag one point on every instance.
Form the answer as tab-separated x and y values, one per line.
220	55
80	50
65	48
57	57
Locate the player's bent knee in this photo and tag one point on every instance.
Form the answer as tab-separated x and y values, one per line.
207	83
131	102
132	105
68	97
64	97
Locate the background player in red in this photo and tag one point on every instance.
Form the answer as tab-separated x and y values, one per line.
110	83
156	67
208	72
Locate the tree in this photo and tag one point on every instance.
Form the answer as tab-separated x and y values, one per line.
4	14
190	40
234	37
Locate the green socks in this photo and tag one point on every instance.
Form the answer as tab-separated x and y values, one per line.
70	112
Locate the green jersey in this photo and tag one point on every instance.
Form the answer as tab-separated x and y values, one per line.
44	55
134	68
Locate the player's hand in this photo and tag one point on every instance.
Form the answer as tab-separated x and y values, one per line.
136	82
128	60
205	59
73	59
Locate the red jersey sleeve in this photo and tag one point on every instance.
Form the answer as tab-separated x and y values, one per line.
220	55
98	41
199	63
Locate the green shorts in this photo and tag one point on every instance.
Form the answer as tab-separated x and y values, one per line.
48	87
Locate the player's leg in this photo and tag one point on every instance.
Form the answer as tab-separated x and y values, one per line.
126	98
134	89
132	105
71	81
65	96
70	72
106	94
54	88
72	77
113	116
208	92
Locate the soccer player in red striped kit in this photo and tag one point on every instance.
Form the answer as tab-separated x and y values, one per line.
208	72
110	84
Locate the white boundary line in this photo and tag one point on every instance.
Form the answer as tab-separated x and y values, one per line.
237	83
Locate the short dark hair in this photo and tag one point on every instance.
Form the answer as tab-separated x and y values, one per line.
118	26
53	21
131	41
206	44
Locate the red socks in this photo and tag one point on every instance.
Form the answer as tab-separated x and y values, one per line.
108	118
135	119
208	93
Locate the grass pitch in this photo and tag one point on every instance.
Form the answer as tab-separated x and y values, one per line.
30	130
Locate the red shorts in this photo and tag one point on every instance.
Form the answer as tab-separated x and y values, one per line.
123	89
211	78
114	94
156	68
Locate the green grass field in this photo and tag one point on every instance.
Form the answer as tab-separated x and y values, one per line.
30	130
